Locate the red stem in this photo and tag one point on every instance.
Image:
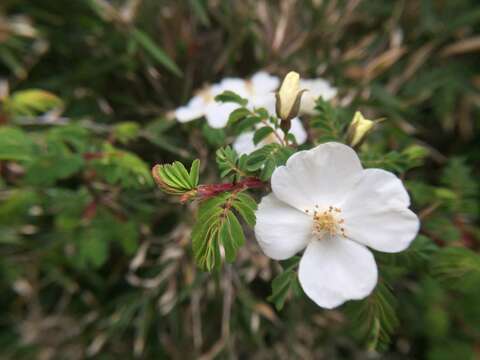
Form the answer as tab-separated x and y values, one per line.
207	191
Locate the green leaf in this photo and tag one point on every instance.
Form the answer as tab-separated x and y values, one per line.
330	126
230	96
261	134
247	123
215	137
126	131
238	114
457	268
246	207
268	158
284	282
229	164
31	102
122	167
15	144
175	179
374	318
217	226
194	173
199	9
155	51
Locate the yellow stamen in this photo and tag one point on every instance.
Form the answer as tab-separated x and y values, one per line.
327	222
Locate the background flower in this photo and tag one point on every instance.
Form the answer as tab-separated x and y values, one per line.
244	143
315	88
258	90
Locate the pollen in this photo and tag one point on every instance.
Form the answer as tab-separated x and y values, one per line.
327	222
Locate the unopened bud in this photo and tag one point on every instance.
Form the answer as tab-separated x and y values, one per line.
359	128
288	97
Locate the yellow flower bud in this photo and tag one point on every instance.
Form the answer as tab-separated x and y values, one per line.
288	97
359	128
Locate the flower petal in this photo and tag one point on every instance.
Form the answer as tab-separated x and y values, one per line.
264	83
236	85
281	230
334	270
193	110
376	212
217	114
322	176
298	131
315	88
244	143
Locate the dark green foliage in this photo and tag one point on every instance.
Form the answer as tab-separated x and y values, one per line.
329	123
230	164
284	283
374	318
95	260
268	158
217	226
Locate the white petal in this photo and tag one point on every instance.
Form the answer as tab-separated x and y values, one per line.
193	110
217	113
281	230
264	83
335	270
244	143
315	88
298	130
236	85
376	212
322	176
266	101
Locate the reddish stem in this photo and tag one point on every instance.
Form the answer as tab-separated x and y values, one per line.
207	191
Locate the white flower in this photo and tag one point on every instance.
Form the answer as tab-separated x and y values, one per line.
244	143
315	88
261	90
258	91
204	104
325	202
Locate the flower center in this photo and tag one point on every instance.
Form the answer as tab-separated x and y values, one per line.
206	94
249	86
327	222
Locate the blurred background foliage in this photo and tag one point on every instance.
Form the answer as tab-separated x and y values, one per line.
96	262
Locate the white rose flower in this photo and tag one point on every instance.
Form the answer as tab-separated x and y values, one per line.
261	90
323	201
258	90
244	143
315	88
204	104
